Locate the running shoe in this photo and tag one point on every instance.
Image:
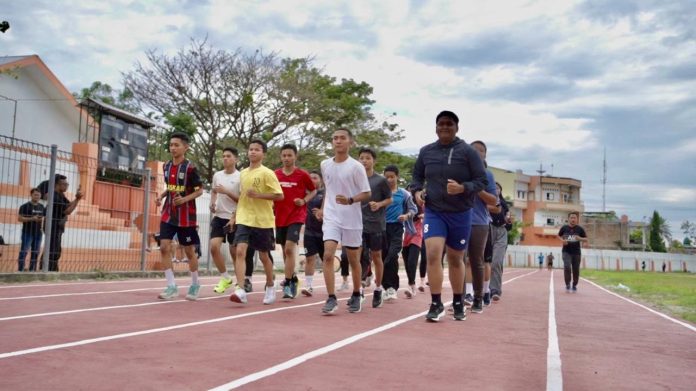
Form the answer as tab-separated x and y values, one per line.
330	306
308	291
343	287
170	292
391	294
495	296
222	285
436	312
377	299
193	292
355	304
486	299
287	291
421	288
239	295
294	283
247	285
477	306
270	296
567	288
575	289
468	299
459	311
410	292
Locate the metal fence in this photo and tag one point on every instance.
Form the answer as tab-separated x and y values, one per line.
109	228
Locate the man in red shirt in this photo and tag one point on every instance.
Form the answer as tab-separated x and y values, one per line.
182	187
291	212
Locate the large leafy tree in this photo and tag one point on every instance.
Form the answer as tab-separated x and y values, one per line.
659	233
122	99
232	98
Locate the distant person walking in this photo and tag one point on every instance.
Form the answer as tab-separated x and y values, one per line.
540	257
549	261
572	236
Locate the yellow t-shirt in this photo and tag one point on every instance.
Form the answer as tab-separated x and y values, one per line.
255	212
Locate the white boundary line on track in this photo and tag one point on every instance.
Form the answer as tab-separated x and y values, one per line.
92	293
679	322
554	372
124	281
324	350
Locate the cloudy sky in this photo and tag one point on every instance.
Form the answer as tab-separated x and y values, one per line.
550	82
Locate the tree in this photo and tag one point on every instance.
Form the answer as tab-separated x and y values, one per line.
689	230
636	237
659	233
235	97
515	233
122	99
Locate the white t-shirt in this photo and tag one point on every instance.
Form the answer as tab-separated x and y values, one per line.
347	178
224	205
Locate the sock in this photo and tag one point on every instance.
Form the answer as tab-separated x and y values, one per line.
169	274
456	298
332	296
308	281
288	281
194	278
379	288
470	288
226	276
486	285
437	297
356	294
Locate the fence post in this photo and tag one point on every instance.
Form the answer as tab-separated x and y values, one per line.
48	230
146	218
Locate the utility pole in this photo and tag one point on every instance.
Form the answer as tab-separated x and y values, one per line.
541	170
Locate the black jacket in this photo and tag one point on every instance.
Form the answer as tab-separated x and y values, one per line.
437	163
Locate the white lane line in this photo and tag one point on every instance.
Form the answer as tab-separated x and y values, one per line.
554	373
90	293
130	281
114	307
324	350
152	331
679	322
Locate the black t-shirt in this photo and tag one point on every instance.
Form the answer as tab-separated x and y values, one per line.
29	210
312	225
498	219
571	234
60	204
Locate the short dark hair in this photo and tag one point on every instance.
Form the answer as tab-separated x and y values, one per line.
448	114
232	150
392	168
350	134
60	177
499	185
317	172
181	136
289	146
368	150
34	190
575	212
485	148
262	143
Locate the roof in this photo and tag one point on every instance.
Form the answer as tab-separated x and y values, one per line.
10	59
97	104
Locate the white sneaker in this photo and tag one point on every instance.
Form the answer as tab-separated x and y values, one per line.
270	296
410	292
344	286
239	295
390	294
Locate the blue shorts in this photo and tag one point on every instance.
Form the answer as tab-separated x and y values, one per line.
455	227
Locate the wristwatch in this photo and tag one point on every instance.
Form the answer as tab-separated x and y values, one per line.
350	201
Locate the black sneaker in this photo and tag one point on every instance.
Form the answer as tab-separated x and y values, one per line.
377	299
575	289
330	306
355	304
477	306
294	282
486	299
459	311
567	288
436	312
468	299
247	285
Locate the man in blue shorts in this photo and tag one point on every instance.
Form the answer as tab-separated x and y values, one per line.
447	176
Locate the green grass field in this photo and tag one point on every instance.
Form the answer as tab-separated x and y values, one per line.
672	293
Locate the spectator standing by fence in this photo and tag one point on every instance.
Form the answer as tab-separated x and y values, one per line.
62	208
31	215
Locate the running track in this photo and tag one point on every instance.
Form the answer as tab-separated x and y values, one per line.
116	335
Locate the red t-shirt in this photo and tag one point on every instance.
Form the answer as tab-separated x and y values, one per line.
182	178
295	185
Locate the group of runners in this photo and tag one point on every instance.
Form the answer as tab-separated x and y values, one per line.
453	209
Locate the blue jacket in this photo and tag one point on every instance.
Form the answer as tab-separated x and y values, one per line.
436	163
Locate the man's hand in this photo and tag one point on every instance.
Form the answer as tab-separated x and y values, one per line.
178	200
318	214
374	206
420	198
79	195
219	189
403	218
212	208
342	200
252	194
453	187
299	201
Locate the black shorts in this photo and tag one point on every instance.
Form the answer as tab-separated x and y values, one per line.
314	244
291	233
374	241
260	239
186	236
219	229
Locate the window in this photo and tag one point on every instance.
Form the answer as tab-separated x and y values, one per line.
550	221
520	194
549	196
566	198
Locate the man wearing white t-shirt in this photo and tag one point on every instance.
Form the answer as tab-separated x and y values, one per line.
223	206
346	187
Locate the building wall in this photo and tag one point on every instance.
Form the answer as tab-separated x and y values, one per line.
57	122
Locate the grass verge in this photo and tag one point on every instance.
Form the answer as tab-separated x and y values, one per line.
672	293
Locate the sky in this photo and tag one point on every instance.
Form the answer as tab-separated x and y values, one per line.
548	82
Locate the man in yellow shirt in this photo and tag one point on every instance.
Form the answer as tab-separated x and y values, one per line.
255	220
